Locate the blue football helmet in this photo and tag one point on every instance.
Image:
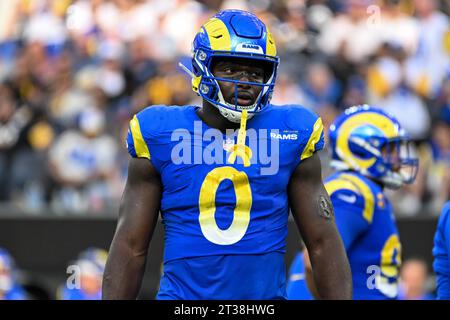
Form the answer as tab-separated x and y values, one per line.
233	34
96	256
370	141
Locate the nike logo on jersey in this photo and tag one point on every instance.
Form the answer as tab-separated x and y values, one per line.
349	199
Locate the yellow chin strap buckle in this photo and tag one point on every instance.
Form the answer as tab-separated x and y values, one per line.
240	149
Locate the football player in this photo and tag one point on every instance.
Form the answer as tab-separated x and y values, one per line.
91	265
371	152
9	288
223	205
441	264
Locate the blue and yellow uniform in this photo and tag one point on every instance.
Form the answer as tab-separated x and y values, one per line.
441	250
225	223
371	151
365	220
10	289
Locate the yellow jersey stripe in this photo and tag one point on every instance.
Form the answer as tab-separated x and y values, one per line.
313	139
369	201
339	184
139	143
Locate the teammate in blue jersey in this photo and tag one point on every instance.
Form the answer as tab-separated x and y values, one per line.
441	251
9	288
370	151
224	176
297	288
90	266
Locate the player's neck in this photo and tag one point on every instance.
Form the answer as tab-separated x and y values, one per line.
212	117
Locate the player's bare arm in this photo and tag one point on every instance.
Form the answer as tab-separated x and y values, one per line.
138	215
313	213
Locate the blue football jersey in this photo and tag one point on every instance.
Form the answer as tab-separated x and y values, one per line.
213	207
441	249
65	293
16	293
366	223
297	288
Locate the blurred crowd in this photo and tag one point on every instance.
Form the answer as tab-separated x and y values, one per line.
73	72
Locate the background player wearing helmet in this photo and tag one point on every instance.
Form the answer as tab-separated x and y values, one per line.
370	151
234	62
91	265
9	288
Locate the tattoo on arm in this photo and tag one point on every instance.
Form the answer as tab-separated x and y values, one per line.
325	207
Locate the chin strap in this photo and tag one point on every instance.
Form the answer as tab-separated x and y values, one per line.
240	149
